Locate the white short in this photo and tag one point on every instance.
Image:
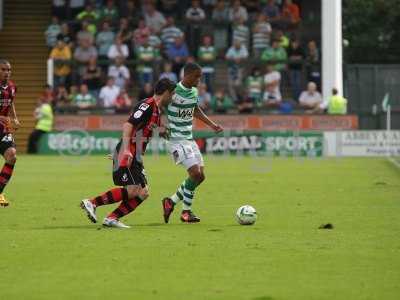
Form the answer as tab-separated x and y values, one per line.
186	153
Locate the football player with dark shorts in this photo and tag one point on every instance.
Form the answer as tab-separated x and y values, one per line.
8	91
128	170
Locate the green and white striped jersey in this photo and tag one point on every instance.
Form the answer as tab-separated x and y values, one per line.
180	112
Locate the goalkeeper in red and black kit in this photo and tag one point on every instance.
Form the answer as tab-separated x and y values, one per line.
128	170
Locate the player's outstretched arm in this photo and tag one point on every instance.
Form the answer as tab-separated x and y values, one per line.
199	114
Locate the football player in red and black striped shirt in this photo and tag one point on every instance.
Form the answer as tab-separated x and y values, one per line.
8	91
128	171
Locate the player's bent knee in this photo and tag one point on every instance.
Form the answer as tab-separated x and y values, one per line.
132	190
198	177
11	156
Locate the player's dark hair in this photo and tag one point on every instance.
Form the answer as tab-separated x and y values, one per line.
4	61
164	85
190	68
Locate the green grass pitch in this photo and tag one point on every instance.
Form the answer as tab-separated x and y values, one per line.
49	250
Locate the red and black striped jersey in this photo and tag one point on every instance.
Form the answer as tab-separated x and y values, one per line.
7	96
145	117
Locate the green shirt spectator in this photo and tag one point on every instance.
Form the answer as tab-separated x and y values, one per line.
337	104
88	14
276	54
84	99
254	86
220	102
109	12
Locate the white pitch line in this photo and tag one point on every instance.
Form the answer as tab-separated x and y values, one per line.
394	162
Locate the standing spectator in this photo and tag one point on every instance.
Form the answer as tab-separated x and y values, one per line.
147	56
109	12
167	73
170	8
220	102
66	35
241	32
204	97
207	56
61	54
140	34
237	11
254	86
104	40
83	53
282	38
296	57
154	19
195	15
276	55
170	32
109	93
261	35
47	95
220	18
59	9
52	31
118	49
44	124
271	11
124	31
178	54
290	13
272	82
119	72
313	63
123	101
311	99
236	55
84	99
146	92
92	77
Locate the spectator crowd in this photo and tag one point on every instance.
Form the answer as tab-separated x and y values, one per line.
108	53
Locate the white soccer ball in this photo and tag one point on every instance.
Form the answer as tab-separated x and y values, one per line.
246	215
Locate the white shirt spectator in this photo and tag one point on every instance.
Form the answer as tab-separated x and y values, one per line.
108	94
308	98
114	51
241	13
271	78
120	74
234	53
156	21
76	3
59	3
195	14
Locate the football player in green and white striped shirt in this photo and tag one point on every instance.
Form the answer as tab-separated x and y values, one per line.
184	150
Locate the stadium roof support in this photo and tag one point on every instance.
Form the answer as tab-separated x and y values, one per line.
332	47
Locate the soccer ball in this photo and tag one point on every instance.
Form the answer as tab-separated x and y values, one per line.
246	215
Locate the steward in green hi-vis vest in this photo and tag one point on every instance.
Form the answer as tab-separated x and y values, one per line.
337	104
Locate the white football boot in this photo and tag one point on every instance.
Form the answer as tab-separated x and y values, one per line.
108	222
90	210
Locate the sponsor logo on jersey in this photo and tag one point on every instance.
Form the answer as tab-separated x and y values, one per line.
186	113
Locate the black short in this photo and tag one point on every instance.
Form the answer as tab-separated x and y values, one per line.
135	175
6	141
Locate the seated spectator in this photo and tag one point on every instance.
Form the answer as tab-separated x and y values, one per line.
109	93
282	38
146	92
296	57
109	12
313	62
89	14
140	34
154	19
241	32
220	18
119	72
118	49
52	31
337	105
66	35
276	55
147	56
130	11
84	99
61	97
123	101
61	54
178	54
167	73
85	33
204	97
83	53
237	11
92	77
124	31
272	94
170	32
170	8
59	9
311	99
73	91
155	41
254	86
104	39
261	35
207	56
290	13
194	16
271	11
220	102
236	55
